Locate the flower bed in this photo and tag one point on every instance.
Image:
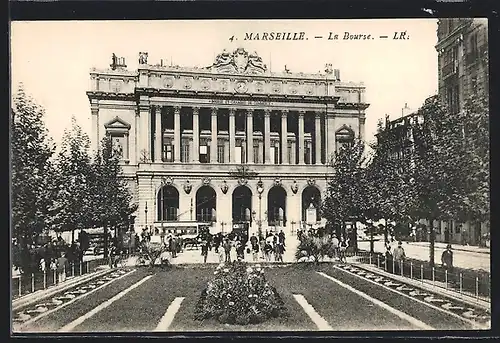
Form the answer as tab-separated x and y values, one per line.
239	294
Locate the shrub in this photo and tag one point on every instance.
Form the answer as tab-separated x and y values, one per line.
315	247
151	252
239	294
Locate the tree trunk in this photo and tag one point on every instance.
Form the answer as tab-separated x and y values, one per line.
386	233
105	241
432	239
372	249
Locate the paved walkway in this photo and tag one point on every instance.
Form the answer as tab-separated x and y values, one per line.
459	247
420	251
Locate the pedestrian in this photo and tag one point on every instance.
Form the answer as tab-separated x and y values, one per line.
335	246
227	250
220	252
399	256
342	250
281	237
61	267
174	246
204	250
447	258
262	248
255	251
268	248
253	239
388	259
280	249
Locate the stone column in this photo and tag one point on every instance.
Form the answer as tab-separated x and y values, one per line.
158	134
177	133
284	137
362	128
213	142
301	136
267	136
249	151
145	136
317	128
137	141
94	109
196	135
232	135
331	145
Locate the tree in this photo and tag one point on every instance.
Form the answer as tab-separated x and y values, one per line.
346	198
111	199
72	205
31	152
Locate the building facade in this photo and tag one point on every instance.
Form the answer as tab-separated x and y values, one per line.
228	145
462	73
462	59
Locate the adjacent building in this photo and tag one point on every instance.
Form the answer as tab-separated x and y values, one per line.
232	145
462	72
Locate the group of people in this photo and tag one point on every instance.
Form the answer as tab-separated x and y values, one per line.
268	247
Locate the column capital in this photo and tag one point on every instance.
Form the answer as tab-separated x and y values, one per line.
94	110
144	106
232	112
267	112
284	113
318	114
250	110
196	109
177	109
301	113
214	110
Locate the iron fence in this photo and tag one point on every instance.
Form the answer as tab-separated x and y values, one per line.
24	284
476	284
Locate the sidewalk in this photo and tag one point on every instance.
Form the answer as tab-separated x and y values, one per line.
70	282
467	248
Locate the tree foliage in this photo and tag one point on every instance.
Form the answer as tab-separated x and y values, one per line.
32	168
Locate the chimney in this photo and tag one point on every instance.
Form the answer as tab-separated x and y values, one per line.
336	73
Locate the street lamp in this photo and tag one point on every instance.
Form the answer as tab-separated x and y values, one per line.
146	216
162	202
260	189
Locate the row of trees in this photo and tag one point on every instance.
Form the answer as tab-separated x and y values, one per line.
66	190
439	172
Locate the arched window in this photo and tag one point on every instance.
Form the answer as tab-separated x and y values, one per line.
168	200
344	137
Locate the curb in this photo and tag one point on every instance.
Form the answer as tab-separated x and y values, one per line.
443	292
37	296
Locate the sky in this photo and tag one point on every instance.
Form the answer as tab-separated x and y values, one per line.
53	59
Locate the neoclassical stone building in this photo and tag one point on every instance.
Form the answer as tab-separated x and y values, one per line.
230	145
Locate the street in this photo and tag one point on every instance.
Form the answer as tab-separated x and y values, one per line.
462	259
328	299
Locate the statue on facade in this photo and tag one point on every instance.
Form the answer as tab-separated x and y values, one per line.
114	61
329	68
255	64
143	58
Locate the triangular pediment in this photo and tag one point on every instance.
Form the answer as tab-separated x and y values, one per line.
117	123
344	130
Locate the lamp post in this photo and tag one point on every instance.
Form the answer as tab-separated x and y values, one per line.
260	189
162	202
146	216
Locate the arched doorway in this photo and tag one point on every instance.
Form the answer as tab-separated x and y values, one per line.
206	204
311	196
168	200
276	206
242	205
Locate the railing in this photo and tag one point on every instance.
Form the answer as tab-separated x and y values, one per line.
24	284
463	281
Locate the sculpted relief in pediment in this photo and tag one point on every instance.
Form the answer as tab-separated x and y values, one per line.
239	61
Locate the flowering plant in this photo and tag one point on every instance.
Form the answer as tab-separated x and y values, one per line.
239	294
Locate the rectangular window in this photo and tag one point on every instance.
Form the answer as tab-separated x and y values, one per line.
220	153
307	153
289	153
256	153
204	154
185	153
237	154
168	153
